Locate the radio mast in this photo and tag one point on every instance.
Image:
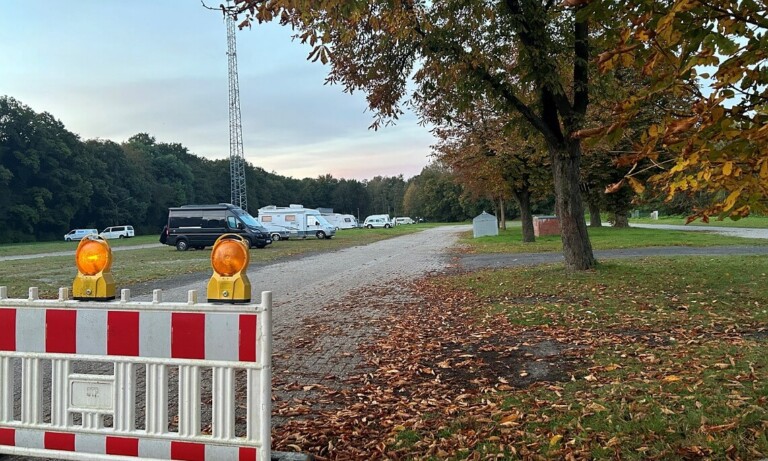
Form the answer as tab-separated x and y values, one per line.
239	194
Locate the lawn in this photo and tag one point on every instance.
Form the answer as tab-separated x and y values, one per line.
602	238
754	221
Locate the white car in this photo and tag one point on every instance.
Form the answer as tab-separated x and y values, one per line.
117	232
405	220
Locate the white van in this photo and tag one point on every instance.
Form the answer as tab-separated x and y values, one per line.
116	232
377	220
78	234
403	220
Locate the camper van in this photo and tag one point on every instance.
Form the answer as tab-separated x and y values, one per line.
341	221
198	226
300	222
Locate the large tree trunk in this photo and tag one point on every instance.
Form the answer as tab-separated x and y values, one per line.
620	219
594	213
523	198
502	215
577	249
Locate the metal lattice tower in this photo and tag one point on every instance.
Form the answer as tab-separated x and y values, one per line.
239	196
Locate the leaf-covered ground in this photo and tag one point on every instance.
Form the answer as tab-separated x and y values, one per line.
656	359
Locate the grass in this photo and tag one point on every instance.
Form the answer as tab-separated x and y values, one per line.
602	238
133	266
753	222
674	355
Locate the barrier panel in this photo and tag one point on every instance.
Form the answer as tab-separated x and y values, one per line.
107	368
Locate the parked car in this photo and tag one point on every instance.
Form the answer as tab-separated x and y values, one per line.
78	234
116	232
377	220
403	220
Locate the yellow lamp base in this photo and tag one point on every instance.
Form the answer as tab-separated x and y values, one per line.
234	289
99	287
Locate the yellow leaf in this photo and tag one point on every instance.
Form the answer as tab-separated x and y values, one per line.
671	378
730	201
764	170
595	407
554	440
510	420
727	168
636	185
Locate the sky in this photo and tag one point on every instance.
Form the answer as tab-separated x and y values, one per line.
110	69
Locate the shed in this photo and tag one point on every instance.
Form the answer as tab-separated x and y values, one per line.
485	224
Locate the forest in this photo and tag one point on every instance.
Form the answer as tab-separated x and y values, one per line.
52	181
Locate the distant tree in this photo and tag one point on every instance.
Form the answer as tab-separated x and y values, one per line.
44	178
435	196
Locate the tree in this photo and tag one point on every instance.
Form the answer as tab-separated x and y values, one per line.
491	158
714	52
501	50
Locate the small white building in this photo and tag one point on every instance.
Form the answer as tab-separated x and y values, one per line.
484	225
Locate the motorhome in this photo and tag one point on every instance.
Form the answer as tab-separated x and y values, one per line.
341	221
300	222
198	226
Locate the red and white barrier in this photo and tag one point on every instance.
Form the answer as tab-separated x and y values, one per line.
155	337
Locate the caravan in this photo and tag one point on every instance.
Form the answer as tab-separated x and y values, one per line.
341	221
297	220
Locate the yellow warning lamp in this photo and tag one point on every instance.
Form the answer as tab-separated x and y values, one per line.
94	280
229	259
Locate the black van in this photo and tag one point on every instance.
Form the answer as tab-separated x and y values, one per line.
198	226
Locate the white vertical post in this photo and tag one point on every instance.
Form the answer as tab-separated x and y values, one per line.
259	399
93	420
60	370
156	411
265	372
189	400
6	388
223	403
125	397
31	395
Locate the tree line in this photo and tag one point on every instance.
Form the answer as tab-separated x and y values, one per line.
51	181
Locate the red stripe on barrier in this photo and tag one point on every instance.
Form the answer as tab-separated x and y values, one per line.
187	336
126	446
7	329
248	338
59	441
247	454
123	333
61	331
187	451
7	437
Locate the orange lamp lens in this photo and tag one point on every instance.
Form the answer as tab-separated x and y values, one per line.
228	257
92	257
